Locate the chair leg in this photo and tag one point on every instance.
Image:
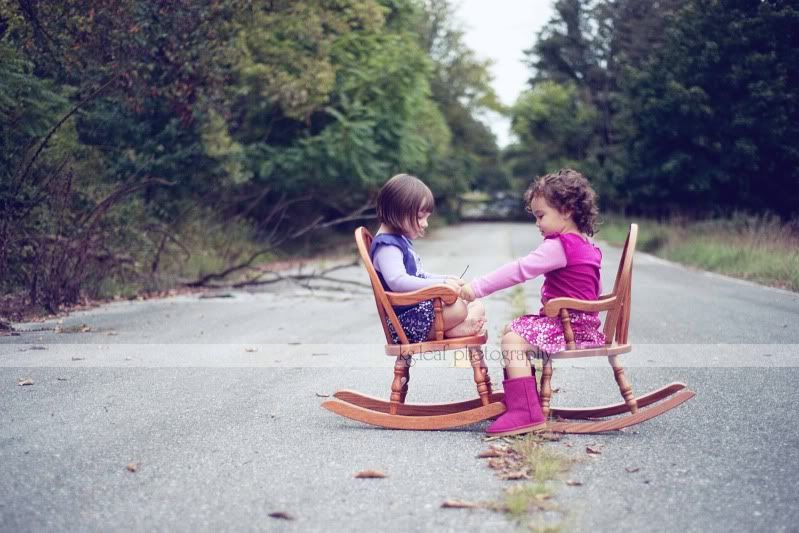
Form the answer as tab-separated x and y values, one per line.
399	386
624	386
481	377
545	391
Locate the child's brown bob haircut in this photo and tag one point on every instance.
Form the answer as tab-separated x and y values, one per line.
568	191
401	200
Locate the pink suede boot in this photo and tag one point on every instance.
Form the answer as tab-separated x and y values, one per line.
523	410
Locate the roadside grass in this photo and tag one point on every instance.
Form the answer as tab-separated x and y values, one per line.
202	245
198	246
760	249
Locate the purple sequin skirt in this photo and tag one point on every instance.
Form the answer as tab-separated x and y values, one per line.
547	332
416	322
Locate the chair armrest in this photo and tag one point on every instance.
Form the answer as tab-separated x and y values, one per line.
553	306
442	290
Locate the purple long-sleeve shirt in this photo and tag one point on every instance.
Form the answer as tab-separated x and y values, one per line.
388	261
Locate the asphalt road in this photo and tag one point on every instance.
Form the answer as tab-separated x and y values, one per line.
216	400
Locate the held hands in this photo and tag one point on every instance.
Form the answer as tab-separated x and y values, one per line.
464	291
467	293
453	283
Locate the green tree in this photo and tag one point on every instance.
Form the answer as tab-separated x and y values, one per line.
554	127
717	111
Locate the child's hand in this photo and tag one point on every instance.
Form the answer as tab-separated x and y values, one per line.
452	284
458	281
467	293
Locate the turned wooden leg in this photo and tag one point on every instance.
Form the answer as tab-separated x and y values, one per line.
568	332
624	386
481	378
545	394
487	377
399	387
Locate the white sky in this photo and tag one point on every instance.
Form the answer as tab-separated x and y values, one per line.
500	30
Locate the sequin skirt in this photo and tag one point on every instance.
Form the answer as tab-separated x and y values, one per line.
416	322
547	332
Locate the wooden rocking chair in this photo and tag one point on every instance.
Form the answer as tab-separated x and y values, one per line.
396	414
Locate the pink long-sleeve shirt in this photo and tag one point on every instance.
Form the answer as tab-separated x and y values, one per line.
547	257
569	263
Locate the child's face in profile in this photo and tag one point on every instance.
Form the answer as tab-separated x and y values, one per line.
548	219
421	218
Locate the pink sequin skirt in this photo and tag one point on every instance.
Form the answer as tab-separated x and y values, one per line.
547	332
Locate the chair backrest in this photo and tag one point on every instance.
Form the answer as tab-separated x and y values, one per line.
384	309
617	321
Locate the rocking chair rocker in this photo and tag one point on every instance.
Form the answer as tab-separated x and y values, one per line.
396	414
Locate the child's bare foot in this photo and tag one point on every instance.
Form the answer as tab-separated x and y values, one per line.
472	325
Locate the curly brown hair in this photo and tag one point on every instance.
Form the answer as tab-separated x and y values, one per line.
568	191
400	201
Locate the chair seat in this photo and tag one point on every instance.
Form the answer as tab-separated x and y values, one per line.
454	343
608	350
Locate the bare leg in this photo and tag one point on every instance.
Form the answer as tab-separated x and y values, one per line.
472	324
515	355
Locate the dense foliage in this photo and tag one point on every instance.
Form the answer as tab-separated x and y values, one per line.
123	122
688	107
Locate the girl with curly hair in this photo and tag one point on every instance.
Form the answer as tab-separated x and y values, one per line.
565	209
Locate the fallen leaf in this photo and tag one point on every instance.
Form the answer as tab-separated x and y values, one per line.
515	475
556	390
132	467
632	469
491	452
322	395
370	474
281	515
38	347
459	504
62	379
78	358
250	350
24	381
574	483
592	451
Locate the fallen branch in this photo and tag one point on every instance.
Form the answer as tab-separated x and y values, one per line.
315	225
301	277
